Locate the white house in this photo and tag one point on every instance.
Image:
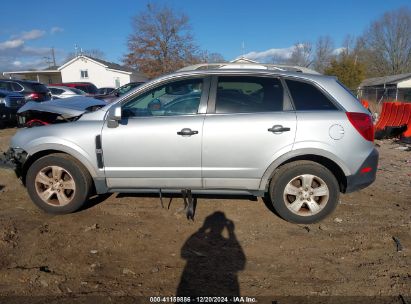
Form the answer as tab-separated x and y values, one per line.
101	73
83	69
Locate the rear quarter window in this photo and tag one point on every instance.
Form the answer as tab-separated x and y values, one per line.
307	97
38	87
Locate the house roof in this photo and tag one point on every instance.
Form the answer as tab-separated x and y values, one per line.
243	59
107	64
388	80
113	66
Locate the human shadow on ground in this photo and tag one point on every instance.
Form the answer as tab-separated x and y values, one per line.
213	261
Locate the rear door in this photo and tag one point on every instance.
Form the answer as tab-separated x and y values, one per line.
250	123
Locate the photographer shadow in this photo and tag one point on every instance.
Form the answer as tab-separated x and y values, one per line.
213	260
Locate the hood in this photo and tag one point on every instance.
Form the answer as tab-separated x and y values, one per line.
68	107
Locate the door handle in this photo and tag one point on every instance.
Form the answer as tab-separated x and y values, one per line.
187	132
278	129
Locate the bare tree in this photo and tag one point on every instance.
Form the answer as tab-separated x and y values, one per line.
215	58
161	41
324	53
301	55
277	59
387	42
207	57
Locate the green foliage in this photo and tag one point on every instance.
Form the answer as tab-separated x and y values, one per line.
348	69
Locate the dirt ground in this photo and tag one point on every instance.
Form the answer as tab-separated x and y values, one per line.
127	245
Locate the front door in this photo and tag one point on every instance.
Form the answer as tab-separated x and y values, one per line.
158	141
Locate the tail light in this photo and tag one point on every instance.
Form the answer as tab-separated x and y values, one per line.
33	96
363	124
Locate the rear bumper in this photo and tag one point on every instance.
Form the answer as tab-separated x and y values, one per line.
363	178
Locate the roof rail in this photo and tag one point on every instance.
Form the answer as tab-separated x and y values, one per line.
257	66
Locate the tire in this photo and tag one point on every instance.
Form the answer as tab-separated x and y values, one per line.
299	204
58	183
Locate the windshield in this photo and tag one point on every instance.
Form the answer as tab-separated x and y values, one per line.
77	91
126	88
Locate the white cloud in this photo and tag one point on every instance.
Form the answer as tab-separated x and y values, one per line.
31	35
267	56
11	44
56	29
16	55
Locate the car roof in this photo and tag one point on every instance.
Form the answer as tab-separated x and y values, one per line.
244	72
249	66
21	81
59	87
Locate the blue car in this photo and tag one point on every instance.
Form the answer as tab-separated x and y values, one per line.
10	102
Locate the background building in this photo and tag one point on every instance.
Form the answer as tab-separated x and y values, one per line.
83	69
387	88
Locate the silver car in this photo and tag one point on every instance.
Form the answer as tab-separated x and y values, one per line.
297	139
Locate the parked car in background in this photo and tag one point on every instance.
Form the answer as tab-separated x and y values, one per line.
32	91
105	90
34	114
10	102
296	139
87	87
65	92
118	92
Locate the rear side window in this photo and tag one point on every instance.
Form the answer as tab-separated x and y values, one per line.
56	91
88	88
38	87
16	87
77	91
239	94
307	97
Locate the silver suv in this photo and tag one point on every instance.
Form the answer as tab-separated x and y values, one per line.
297	139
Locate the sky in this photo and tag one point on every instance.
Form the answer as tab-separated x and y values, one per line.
232	28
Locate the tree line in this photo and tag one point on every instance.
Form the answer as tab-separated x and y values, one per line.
162	41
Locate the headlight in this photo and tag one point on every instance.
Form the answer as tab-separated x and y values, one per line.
2	101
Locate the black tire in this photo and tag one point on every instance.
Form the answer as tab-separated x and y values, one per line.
72	173
292	175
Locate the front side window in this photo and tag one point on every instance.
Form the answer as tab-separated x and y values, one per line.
5	86
84	73
307	97
239	94
176	98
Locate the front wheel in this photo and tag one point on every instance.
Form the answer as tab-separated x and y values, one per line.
58	184
304	192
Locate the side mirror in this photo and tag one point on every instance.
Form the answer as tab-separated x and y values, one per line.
114	116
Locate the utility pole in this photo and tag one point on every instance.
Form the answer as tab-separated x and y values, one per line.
243	49
48	61
53	56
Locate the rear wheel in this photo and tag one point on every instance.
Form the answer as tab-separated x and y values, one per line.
304	192
58	184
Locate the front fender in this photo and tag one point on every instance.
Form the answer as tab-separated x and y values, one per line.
58	144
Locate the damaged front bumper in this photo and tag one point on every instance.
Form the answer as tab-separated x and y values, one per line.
14	159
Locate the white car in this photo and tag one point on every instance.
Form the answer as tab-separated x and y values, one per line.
65	92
